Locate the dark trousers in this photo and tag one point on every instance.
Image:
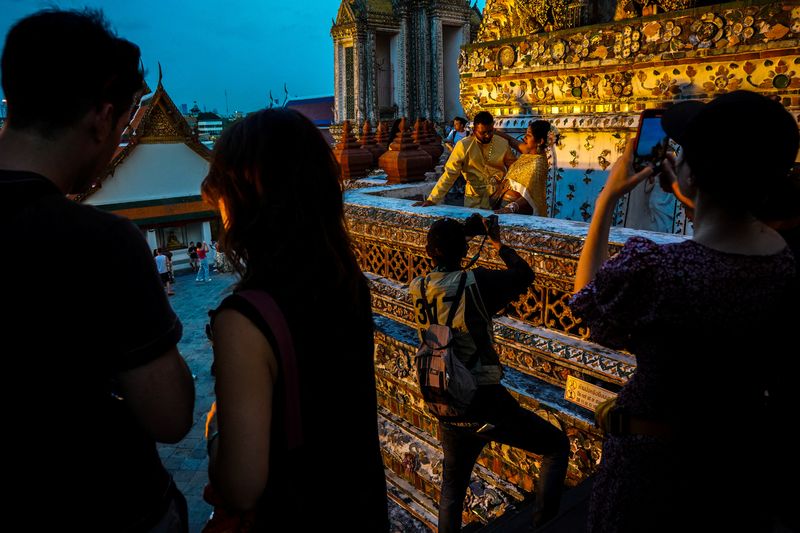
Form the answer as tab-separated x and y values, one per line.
509	423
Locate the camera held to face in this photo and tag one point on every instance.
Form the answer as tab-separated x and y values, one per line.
475	224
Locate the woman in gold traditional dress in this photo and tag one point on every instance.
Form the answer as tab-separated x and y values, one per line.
525	185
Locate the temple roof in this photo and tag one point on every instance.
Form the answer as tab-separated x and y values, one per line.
351	11
476	17
387	13
157	121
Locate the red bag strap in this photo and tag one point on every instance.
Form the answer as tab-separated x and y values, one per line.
274	318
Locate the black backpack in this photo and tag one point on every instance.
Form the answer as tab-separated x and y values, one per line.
447	385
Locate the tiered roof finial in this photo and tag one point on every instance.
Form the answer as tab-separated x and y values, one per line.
405	162
354	162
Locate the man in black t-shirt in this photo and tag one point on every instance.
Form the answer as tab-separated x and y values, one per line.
94	377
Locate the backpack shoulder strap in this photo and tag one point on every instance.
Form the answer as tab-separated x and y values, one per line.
475	291
274	318
454	306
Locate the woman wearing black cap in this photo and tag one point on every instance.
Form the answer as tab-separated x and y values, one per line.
692	440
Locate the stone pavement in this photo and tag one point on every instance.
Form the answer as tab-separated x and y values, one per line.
187	460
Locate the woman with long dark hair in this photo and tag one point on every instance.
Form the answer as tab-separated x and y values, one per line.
276	184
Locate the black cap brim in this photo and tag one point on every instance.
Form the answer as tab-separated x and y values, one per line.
677	118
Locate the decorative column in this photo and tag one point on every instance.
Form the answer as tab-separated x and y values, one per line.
402	65
368	64
423	63
338	68
360	63
413	77
152	239
437	71
206	232
465	39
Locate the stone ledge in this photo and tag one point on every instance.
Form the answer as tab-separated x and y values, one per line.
516	340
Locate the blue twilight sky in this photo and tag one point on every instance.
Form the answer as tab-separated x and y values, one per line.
208	47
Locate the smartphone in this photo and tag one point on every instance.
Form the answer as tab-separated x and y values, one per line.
651	141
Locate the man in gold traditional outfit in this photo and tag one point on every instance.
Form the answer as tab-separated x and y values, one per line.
482	158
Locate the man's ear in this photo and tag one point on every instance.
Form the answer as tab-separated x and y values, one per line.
102	122
432	251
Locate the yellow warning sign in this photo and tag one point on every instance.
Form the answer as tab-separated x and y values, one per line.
585	394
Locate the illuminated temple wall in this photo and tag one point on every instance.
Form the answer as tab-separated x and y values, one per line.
591	81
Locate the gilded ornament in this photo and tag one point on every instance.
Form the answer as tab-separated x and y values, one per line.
558	49
652	31
601	52
781	81
506	56
707	30
776	32
602	159
778	78
722	81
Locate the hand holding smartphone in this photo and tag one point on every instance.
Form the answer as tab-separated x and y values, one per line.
652	142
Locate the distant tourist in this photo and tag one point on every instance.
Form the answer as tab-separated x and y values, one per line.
220	262
97	377
203	273
482	158
284	234
458	132
192	252
163	265
697	438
